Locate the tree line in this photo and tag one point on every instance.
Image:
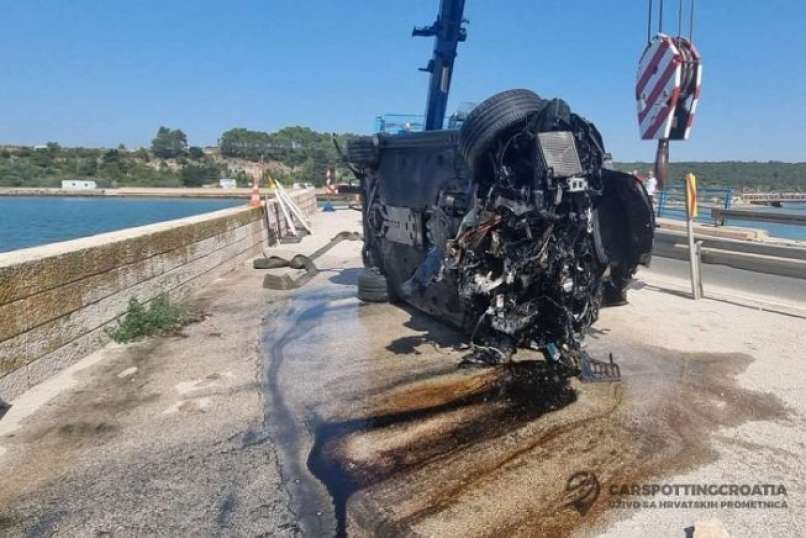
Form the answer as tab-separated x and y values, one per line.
295	154
309	153
303	154
742	175
47	166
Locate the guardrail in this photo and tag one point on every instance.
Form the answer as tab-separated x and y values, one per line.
750	256
773	197
671	202
720	216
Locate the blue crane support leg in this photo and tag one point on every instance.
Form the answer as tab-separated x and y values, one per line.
447	32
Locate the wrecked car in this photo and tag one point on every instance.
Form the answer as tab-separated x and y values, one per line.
513	228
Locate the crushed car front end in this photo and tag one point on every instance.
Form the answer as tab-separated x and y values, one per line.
513	228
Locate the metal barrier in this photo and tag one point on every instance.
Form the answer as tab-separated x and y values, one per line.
399	123
671	202
723	215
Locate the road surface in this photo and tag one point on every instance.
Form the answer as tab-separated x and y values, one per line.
739	281
380	433
332	417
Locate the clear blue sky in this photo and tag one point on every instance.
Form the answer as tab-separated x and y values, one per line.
99	73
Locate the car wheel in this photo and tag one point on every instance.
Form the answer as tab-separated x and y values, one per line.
372	286
492	118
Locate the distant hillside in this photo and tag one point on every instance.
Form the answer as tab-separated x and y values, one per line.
771	175
292	154
48	166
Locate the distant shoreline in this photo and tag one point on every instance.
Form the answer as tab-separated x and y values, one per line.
135	192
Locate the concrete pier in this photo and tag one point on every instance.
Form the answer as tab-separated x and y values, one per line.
294	413
722	215
56	300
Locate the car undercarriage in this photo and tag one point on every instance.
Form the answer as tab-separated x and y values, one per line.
513	228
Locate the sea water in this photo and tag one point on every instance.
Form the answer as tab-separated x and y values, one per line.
36	220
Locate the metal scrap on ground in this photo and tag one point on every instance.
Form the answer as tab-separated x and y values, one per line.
299	261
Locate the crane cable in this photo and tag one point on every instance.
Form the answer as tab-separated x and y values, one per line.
688	84
679	20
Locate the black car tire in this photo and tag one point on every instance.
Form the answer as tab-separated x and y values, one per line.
362	151
372	286
492	118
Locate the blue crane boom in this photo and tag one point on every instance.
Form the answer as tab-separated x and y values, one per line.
447	32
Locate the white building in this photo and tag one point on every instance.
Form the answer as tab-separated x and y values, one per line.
227	183
78	185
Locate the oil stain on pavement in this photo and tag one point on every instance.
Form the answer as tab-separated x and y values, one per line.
379	432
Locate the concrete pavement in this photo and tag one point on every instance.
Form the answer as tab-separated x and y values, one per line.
330	415
150	439
730	282
158	438
375	415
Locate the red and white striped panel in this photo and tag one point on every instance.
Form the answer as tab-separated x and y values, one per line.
657	88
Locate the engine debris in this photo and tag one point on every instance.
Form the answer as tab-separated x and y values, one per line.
514	228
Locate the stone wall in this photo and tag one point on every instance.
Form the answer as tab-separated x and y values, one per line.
56	300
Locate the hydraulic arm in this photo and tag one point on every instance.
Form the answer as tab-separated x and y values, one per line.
447	32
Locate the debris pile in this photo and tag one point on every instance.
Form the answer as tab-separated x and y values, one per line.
513	228
525	256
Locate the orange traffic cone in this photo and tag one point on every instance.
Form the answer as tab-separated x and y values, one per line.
254	200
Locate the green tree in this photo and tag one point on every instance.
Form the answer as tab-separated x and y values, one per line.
111	157
113	166
41	158
771	175
307	152
87	167
196	175
142	154
169	143
244	143
195	153
242	179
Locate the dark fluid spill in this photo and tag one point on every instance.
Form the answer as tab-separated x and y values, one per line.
655	423
520	393
311	306
680	398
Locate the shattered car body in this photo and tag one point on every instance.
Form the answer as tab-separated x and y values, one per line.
513	228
